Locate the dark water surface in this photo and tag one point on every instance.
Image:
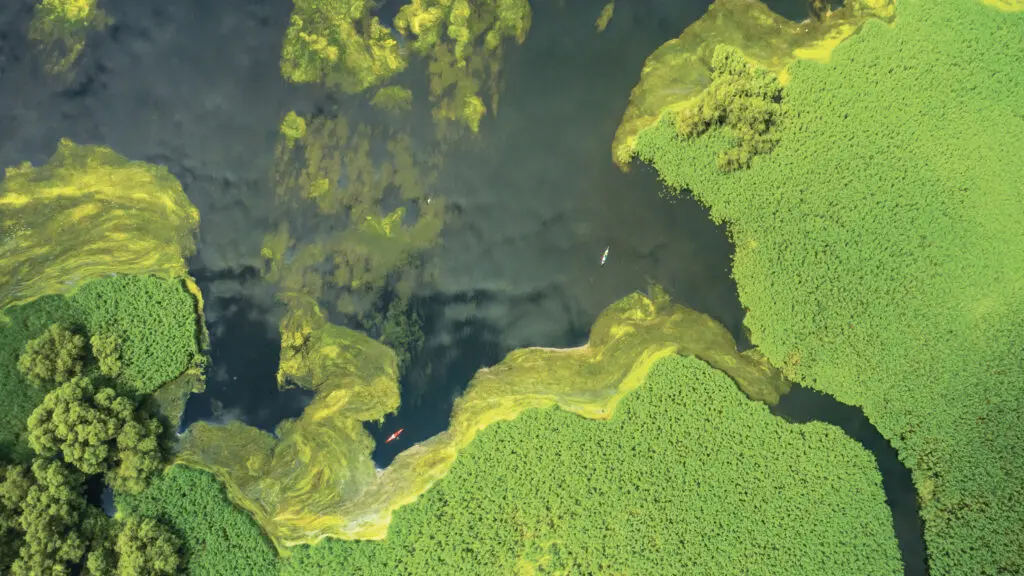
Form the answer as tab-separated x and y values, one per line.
535	199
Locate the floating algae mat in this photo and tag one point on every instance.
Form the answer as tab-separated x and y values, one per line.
88	213
315	479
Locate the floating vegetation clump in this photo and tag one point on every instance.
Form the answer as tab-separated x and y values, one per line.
338	43
60	28
89	213
342	45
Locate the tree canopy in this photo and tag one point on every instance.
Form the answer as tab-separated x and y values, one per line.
146	547
97	431
106	348
46	527
43	511
743	97
52	358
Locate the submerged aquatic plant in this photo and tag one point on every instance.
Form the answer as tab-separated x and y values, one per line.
60	28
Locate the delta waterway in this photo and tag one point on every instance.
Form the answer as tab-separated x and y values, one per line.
533	201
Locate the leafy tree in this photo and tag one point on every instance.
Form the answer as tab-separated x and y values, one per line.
97	431
743	97
46	527
146	547
106	348
101	559
15	482
42	511
53	358
138	453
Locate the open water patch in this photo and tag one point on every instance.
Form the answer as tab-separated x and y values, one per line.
241	379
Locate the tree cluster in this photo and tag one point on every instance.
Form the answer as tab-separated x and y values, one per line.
46	527
98	432
742	97
82	427
106	348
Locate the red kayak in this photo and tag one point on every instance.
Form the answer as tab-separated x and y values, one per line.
395	435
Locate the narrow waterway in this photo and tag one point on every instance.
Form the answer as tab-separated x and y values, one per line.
805	405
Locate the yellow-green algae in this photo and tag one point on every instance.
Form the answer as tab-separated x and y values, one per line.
333	167
604	17
393	99
1006	5
316	478
87	213
293	127
60	27
676	74
462	40
340	44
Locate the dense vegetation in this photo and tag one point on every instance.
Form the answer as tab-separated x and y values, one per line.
878	253
98	431
314	477
687	476
89	416
743	97
144	333
219	539
53	357
342	44
46	527
677	75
